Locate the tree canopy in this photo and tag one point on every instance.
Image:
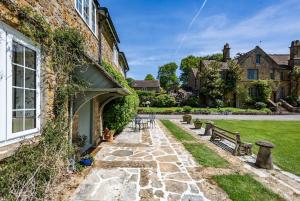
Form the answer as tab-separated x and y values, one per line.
211	82
129	81
149	77
167	76
186	65
233	75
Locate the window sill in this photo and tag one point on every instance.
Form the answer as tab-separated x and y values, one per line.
22	134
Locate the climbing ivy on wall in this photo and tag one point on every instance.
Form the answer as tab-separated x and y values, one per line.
120	111
30	172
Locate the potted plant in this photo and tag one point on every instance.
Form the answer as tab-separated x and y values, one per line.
187	118
108	135
197	124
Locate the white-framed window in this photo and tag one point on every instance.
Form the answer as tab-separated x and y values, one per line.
87	10
115	55
20	85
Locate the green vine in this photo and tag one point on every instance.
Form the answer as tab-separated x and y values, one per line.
30	171
120	111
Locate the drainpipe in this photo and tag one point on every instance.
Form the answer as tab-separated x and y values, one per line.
100	37
71	121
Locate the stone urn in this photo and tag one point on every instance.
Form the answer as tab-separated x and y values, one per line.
198	124
108	135
187	118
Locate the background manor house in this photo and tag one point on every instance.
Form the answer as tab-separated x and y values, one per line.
255	65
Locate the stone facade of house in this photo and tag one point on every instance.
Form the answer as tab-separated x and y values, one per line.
258	65
95	24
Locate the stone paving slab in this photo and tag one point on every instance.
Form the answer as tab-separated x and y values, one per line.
148	165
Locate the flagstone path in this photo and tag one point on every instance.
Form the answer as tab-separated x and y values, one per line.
148	165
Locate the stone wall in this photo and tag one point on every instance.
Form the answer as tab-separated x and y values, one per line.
108	43
265	68
57	13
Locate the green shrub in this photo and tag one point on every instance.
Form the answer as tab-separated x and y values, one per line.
178	110
164	100
192	101
260	105
145	96
120	111
187	108
219	103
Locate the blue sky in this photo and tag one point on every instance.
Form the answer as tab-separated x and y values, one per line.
155	32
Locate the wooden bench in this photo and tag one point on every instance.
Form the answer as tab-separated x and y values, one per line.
234	137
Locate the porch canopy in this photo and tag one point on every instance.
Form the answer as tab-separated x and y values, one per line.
101	85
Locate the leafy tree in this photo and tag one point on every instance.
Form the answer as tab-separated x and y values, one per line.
296	76
211	83
149	77
186	65
216	57
129	81
232	76
167	76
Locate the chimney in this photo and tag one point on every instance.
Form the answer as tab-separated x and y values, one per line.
226	52
295	53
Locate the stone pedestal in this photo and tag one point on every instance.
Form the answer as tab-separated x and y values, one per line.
264	156
209	128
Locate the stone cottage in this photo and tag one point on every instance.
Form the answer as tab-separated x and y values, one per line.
257	65
26	84
146	85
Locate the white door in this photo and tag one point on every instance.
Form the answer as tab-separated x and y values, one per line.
85	124
2	85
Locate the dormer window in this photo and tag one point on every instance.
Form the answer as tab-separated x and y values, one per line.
87	10
258	59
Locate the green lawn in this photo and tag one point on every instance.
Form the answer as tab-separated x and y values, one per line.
202	154
205	156
180	134
245	188
284	134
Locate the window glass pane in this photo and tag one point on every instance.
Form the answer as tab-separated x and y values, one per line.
18	54
86	10
258	59
94	18
30	120
30	79
17	98
17	121
30	99
79	6
30	58
18	76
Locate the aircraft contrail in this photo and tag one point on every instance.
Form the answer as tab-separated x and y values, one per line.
189	27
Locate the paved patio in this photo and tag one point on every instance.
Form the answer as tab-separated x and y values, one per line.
145	165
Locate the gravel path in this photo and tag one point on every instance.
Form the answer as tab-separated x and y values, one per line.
295	117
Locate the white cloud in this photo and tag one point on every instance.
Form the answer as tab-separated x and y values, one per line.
275	25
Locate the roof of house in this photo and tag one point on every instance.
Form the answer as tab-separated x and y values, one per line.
146	84
280	59
224	65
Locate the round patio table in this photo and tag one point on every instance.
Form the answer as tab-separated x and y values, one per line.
264	156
